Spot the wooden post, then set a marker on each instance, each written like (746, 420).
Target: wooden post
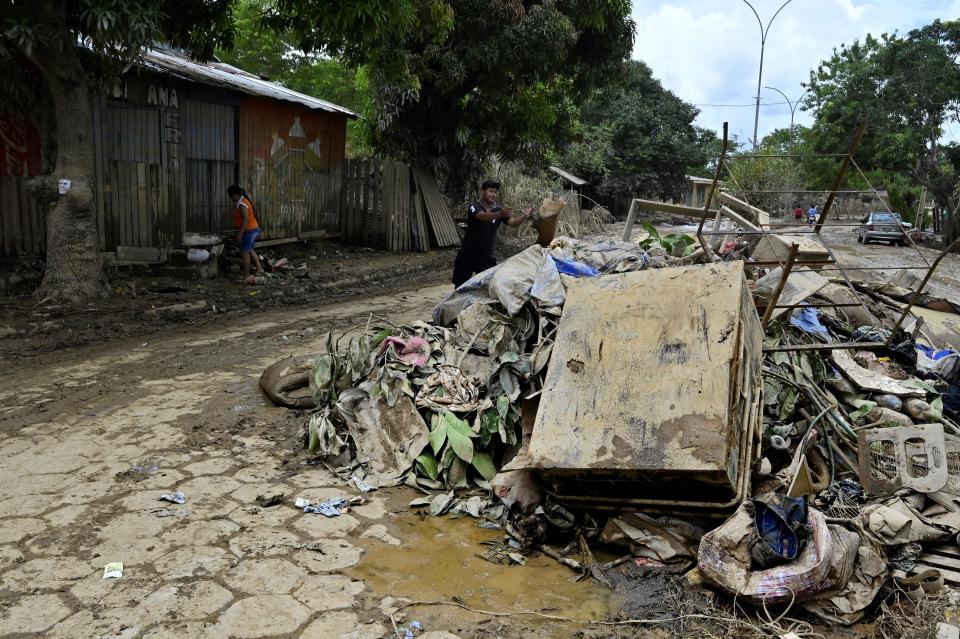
(772, 304)
(631, 216)
(837, 181)
(707, 252)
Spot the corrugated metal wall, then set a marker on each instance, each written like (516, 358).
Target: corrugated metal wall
(290, 164)
(131, 177)
(22, 227)
(210, 149)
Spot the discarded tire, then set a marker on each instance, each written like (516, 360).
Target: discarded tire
(287, 382)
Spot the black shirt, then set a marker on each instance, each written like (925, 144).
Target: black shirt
(481, 236)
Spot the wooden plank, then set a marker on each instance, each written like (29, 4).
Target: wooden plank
(727, 212)
(666, 207)
(945, 550)
(138, 254)
(424, 235)
(99, 104)
(143, 212)
(762, 217)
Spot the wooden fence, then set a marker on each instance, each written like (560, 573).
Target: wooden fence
(386, 205)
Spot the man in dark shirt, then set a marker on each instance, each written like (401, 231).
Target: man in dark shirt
(484, 217)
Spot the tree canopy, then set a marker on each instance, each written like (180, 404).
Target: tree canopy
(456, 82)
(907, 88)
(636, 138)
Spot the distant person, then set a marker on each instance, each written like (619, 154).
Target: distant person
(812, 216)
(245, 221)
(484, 218)
(798, 213)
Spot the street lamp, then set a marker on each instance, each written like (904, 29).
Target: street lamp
(763, 41)
(793, 105)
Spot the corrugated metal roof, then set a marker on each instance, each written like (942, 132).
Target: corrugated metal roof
(569, 177)
(223, 75)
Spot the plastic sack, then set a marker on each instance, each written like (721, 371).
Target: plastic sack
(724, 560)
(526, 275)
(572, 267)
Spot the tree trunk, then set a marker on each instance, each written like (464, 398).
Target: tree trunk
(73, 270)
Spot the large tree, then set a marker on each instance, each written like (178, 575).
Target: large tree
(456, 82)
(76, 45)
(907, 89)
(636, 138)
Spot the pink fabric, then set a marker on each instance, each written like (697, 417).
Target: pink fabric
(415, 351)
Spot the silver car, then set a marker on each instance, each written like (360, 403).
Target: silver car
(882, 225)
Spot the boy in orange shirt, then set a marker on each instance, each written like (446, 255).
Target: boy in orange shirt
(245, 221)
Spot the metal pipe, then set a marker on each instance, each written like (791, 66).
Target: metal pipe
(713, 190)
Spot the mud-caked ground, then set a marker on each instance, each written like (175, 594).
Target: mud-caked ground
(92, 435)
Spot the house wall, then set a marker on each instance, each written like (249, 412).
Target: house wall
(291, 165)
(22, 228)
(166, 151)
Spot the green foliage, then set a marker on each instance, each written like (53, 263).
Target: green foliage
(906, 88)
(675, 244)
(116, 32)
(636, 138)
(457, 82)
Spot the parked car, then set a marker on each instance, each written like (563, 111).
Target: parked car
(882, 225)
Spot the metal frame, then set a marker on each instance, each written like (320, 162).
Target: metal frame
(791, 261)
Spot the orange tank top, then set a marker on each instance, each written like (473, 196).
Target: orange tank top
(238, 215)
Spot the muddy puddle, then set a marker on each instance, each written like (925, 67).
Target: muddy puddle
(437, 560)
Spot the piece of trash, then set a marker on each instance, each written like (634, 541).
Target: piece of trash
(489, 525)
(416, 626)
(113, 570)
(266, 501)
(361, 485)
(419, 502)
(333, 507)
(301, 503)
(145, 469)
(176, 498)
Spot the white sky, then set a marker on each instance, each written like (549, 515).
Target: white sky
(708, 51)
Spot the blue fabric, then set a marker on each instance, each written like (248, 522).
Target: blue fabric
(572, 267)
(249, 239)
(806, 319)
(776, 521)
(932, 354)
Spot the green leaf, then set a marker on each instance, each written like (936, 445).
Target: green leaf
(862, 410)
(438, 436)
(936, 407)
(461, 444)
(454, 423)
(428, 466)
(484, 465)
(651, 229)
(921, 385)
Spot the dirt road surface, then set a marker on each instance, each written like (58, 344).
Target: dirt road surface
(90, 438)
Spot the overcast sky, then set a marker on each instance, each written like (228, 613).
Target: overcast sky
(708, 51)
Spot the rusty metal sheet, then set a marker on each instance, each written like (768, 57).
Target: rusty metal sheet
(654, 378)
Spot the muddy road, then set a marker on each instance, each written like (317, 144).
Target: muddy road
(91, 437)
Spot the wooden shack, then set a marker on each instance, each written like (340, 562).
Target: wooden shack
(171, 135)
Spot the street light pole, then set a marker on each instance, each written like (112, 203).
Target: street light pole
(763, 41)
(793, 105)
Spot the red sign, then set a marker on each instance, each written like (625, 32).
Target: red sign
(20, 149)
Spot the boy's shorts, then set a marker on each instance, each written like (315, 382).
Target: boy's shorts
(249, 239)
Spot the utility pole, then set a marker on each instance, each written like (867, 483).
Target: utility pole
(764, 31)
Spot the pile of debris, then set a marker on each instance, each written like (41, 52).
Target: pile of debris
(608, 392)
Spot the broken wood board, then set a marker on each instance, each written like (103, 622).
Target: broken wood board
(775, 247)
(760, 216)
(652, 388)
(801, 284)
(729, 213)
(869, 380)
(441, 223)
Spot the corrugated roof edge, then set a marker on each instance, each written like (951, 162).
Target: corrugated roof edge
(223, 75)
